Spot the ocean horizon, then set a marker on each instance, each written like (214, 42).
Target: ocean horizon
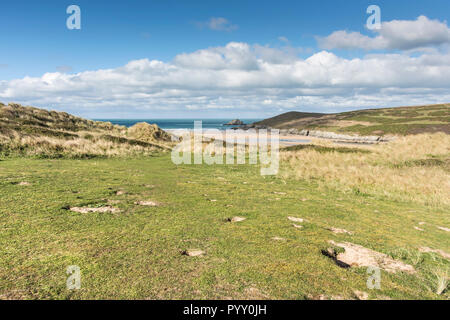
(174, 124)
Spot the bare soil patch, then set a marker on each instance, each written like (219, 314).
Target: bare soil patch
(359, 256)
(104, 209)
(147, 203)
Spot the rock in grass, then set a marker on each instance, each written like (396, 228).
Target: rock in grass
(418, 229)
(297, 226)
(338, 230)
(104, 209)
(278, 239)
(361, 295)
(236, 219)
(444, 229)
(193, 252)
(294, 219)
(147, 203)
(24, 183)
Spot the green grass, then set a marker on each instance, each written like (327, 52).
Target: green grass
(137, 253)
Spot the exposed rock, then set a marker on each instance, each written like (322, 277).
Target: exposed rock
(361, 295)
(104, 209)
(24, 183)
(278, 239)
(193, 252)
(418, 229)
(236, 219)
(120, 192)
(297, 226)
(235, 122)
(444, 229)
(356, 255)
(338, 230)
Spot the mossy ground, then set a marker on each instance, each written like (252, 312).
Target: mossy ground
(136, 254)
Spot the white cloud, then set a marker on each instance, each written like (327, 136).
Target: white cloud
(395, 34)
(241, 79)
(218, 24)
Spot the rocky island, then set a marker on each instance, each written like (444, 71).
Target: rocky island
(235, 122)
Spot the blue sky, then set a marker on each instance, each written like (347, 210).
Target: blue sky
(35, 41)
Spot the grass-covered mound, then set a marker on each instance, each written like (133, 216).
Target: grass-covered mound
(380, 122)
(29, 131)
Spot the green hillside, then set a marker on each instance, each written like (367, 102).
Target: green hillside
(397, 121)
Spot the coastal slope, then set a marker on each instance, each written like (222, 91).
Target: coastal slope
(377, 122)
(29, 131)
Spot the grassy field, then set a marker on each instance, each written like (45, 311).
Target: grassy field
(387, 121)
(137, 252)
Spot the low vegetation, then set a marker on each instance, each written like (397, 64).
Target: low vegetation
(146, 228)
(412, 168)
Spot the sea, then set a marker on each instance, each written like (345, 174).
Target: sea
(177, 124)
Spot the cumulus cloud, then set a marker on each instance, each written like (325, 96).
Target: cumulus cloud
(241, 78)
(393, 35)
(218, 24)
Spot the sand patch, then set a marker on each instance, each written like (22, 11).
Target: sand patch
(438, 251)
(105, 209)
(358, 256)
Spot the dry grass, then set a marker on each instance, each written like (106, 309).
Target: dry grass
(51, 147)
(411, 168)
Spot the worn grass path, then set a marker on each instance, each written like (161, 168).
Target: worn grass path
(136, 254)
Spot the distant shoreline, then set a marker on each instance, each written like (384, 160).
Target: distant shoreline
(179, 124)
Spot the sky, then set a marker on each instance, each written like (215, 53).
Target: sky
(222, 59)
